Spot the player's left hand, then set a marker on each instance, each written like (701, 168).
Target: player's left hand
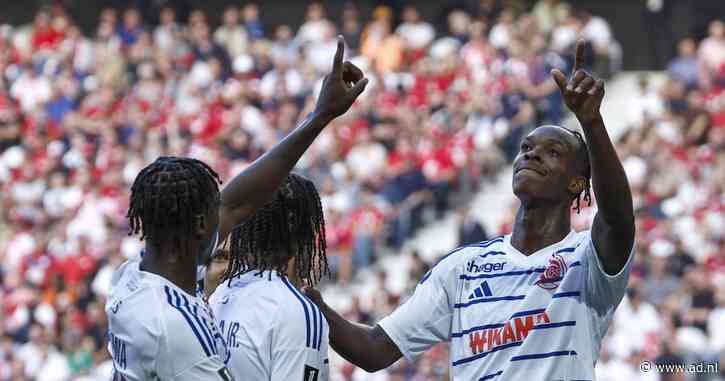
(582, 92)
(341, 86)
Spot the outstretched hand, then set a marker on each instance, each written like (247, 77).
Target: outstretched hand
(341, 86)
(582, 92)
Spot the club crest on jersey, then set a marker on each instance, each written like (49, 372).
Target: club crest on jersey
(553, 274)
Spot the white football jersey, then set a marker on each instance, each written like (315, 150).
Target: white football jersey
(509, 316)
(273, 331)
(157, 331)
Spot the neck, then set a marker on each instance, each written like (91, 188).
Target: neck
(540, 226)
(292, 274)
(177, 267)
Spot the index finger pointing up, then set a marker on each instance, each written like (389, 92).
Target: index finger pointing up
(337, 63)
(579, 56)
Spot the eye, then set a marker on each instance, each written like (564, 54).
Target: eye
(525, 147)
(554, 153)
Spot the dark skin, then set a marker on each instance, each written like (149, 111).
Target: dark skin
(548, 174)
(176, 259)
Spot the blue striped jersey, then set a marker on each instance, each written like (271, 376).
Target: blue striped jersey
(157, 331)
(273, 331)
(509, 316)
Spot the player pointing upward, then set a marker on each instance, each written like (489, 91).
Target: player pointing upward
(158, 328)
(534, 304)
(273, 331)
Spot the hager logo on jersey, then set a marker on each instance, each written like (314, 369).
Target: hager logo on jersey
(487, 267)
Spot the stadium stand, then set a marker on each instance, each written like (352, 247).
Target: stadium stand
(81, 114)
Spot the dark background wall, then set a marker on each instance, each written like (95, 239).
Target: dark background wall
(647, 39)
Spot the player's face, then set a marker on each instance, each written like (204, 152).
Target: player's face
(545, 165)
(217, 267)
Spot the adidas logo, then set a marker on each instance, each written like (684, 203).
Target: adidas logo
(482, 290)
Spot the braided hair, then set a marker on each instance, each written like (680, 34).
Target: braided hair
(583, 153)
(290, 226)
(168, 194)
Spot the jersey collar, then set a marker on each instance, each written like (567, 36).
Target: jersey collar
(543, 252)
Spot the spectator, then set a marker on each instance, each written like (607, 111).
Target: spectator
(416, 34)
(168, 31)
(502, 32)
(231, 35)
(469, 229)
(684, 67)
(660, 284)
(131, 29)
(351, 27)
(284, 47)
(379, 44)
(550, 13)
(712, 49)
(250, 15)
(316, 27)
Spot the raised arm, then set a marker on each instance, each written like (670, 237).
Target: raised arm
(367, 347)
(254, 186)
(613, 228)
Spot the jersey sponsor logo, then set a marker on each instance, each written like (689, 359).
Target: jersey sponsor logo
(513, 331)
(488, 267)
(553, 274)
(311, 373)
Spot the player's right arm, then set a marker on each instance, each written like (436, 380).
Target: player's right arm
(421, 322)
(253, 187)
(368, 347)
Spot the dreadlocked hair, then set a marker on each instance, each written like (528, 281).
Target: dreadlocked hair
(168, 194)
(290, 226)
(583, 152)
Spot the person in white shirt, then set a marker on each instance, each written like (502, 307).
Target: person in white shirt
(273, 331)
(534, 304)
(416, 33)
(158, 328)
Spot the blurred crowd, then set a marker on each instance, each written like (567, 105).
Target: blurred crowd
(82, 113)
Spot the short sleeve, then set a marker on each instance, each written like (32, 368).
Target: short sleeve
(133, 340)
(300, 345)
(425, 319)
(604, 291)
(189, 348)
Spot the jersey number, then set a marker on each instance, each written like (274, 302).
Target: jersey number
(311, 373)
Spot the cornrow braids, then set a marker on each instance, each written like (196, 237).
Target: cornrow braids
(167, 195)
(583, 152)
(292, 225)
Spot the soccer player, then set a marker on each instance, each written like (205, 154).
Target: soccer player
(273, 331)
(535, 304)
(158, 328)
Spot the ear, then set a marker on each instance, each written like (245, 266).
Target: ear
(577, 185)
